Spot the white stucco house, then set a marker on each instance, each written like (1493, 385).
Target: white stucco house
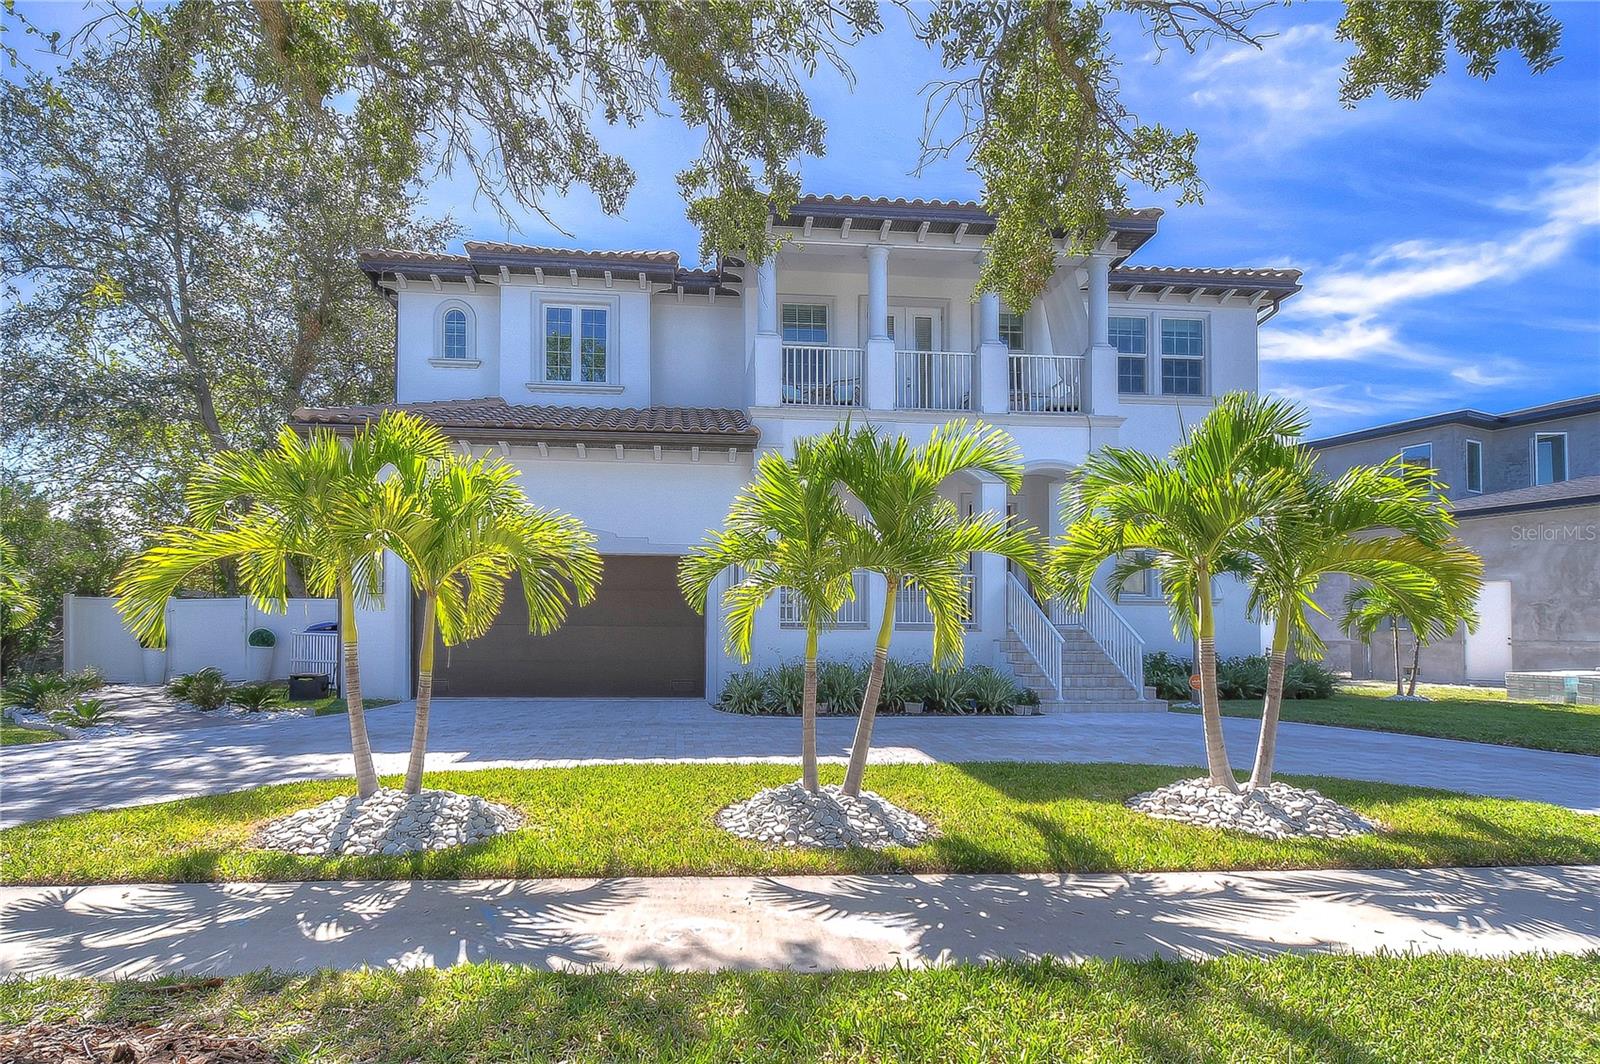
(636, 394)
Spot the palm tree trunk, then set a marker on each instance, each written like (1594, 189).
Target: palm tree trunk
(1394, 627)
(808, 712)
(360, 745)
(1220, 771)
(1416, 663)
(1267, 744)
(419, 727)
(869, 699)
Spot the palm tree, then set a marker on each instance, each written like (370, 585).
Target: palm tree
(463, 527)
(1430, 617)
(913, 535)
(787, 530)
(1184, 516)
(1335, 529)
(315, 501)
(18, 605)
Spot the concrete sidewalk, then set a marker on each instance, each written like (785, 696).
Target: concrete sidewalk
(804, 923)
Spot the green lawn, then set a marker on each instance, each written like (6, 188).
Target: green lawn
(1480, 715)
(1324, 1008)
(335, 704)
(657, 820)
(16, 735)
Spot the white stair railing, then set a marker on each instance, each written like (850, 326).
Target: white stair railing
(1033, 629)
(1110, 630)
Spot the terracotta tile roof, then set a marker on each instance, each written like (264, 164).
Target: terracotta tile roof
(492, 416)
(1191, 277)
(1576, 492)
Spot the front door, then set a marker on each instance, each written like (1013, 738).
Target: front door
(917, 328)
(1489, 648)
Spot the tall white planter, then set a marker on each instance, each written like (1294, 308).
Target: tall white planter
(155, 664)
(261, 663)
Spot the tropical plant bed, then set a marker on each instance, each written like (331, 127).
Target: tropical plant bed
(1448, 714)
(607, 820)
(908, 687)
(1433, 1008)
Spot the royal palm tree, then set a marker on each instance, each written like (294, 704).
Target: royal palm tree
(1184, 516)
(786, 531)
(316, 502)
(1388, 532)
(463, 527)
(913, 535)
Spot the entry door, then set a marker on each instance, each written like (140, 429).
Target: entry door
(917, 328)
(1489, 648)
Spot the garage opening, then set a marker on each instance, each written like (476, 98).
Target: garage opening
(638, 639)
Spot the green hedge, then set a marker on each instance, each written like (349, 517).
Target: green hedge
(842, 684)
(1241, 677)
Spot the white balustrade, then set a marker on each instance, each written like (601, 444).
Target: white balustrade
(1046, 384)
(852, 614)
(1033, 628)
(911, 605)
(936, 380)
(822, 376)
(1101, 619)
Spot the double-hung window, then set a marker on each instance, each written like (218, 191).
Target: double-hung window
(805, 323)
(1183, 356)
(1131, 337)
(1416, 460)
(1475, 467)
(1012, 333)
(577, 344)
(1549, 457)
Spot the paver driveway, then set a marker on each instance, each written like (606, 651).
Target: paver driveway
(51, 779)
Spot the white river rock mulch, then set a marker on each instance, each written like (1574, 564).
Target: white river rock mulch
(27, 718)
(1408, 698)
(388, 822)
(790, 815)
(1276, 811)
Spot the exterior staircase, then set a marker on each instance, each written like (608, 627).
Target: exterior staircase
(1091, 681)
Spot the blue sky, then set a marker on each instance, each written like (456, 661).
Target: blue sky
(1451, 245)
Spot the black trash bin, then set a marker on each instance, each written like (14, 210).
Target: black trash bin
(304, 686)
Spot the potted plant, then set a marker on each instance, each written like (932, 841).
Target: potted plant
(154, 661)
(262, 640)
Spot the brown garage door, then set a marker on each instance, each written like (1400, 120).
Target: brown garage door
(637, 639)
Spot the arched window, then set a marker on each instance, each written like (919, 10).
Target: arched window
(455, 333)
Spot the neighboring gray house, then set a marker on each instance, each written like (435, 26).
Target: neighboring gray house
(1525, 488)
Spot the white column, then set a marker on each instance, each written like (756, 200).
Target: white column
(990, 609)
(767, 296)
(878, 292)
(1102, 356)
(989, 318)
(879, 347)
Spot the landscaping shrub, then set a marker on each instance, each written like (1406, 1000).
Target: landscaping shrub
(1242, 677)
(84, 713)
(1169, 675)
(256, 697)
(1309, 679)
(903, 683)
(744, 692)
(85, 680)
(947, 690)
(206, 689)
(263, 637)
(786, 688)
(840, 686)
(53, 700)
(993, 691)
(29, 689)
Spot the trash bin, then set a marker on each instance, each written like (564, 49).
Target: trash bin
(304, 686)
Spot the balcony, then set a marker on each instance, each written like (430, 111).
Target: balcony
(823, 376)
(1046, 384)
(936, 380)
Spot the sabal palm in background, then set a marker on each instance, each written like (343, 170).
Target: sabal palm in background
(787, 530)
(463, 527)
(317, 502)
(912, 534)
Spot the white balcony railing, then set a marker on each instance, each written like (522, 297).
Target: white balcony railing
(852, 614)
(822, 376)
(1046, 384)
(936, 380)
(911, 605)
(1110, 629)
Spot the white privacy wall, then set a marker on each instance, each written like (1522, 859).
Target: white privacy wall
(201, 633)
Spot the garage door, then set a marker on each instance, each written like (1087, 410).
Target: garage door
(638, 639)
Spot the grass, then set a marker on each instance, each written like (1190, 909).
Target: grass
(1480, 715)
(606, 820)
(332, 705)
(1301, 1008)
(16, 735)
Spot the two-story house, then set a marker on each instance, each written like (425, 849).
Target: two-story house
(636, 394)
(1525, 490)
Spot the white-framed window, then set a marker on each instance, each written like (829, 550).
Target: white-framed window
(1475, 467)
(1013, 331)
(455, 338)
(1130, 335)
(805, 323)
(1143, 584)
(576, 344)
(1416, 459)
(1183, 356)
(1549, 457)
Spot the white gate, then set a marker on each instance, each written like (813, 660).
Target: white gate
(1489, 648)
